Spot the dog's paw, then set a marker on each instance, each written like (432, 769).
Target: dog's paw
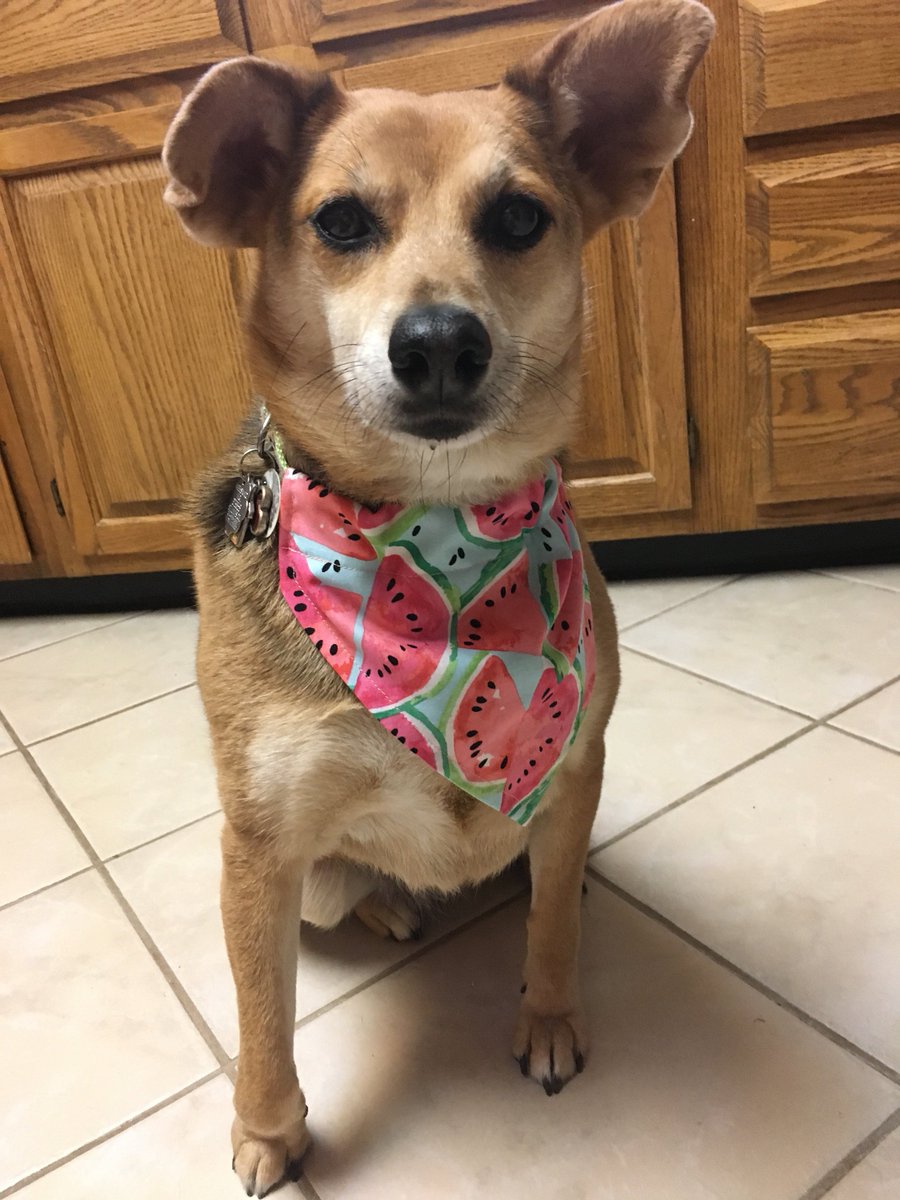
(263, 1164)
(389, 917)
(549, 1049)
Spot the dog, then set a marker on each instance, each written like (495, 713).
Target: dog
(415, 337)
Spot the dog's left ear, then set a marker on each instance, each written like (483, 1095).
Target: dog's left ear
(614, 86)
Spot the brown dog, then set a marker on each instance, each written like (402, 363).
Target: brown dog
(364, 206)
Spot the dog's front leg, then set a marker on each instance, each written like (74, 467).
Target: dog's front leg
(261, 914)
(550, 1039)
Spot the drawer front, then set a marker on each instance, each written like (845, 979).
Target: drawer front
(827, 414)
(824, 220)
(76, 43)
(816, 62)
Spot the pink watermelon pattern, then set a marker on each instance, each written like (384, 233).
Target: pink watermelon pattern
(466, 632)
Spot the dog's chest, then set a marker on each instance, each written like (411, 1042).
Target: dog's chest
(340, 784)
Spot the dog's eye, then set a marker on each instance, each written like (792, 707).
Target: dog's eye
(514, 222)
(344, 224)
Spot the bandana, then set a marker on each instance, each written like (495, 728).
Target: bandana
(466, 632)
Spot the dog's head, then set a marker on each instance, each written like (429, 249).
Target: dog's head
(416, 323)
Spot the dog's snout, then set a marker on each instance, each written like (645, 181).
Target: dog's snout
(439, 352)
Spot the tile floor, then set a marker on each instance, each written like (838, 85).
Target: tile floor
(741, 953)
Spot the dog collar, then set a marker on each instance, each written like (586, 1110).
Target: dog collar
(465, 631)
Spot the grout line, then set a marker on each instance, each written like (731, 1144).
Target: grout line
(159, 836)
(703, 787)
(105, 1137)
(716, 587)
(441, 940)
(71, 636)
(812, 724)
(860, 699)
(861, 737)
(182, 687)
(46, 887)
(859, 1152)
(806, 1018)
(882, 587)
(199, 1022)
(795, 712)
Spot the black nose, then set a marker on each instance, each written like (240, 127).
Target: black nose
(439, 353)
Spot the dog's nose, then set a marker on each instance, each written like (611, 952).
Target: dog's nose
(439, 352)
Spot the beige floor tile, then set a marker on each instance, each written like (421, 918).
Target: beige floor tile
(877, 718)
(90, 1032)
(135, 775)
(807, 641)
(887, 576)
(692, 1082)
(671, 733)
(181, 1152)
(876, 1178)
(637, 599)
(7, 745)
(56, 687)
(173, 885)
(789, 869)
(36, 845)
(18, 634)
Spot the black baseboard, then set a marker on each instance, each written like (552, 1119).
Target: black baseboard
(802, 548)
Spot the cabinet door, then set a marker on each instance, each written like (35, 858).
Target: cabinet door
(14, 548)
(53, 47)
(146, 374)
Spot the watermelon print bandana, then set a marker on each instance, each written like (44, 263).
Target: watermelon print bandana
(466, 632)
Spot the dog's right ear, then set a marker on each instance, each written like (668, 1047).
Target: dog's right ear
(234, 146)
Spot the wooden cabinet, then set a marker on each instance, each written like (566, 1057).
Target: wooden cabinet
(742, 358)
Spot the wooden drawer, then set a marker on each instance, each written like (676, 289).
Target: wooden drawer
(816, 62)
(824, 219)
(827, 412)
(70, 43)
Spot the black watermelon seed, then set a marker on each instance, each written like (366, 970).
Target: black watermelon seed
(476, 745)
(491, 684)
(452, 561)
(476, 623)
(395, 662)
(474, 637)
(471, 732)
(403, 740)
(564, 624)
(489, 512)
(504, 761)
(461, 553)
(380, 673)
(352, 537)
(476, 708)
(310, 629)
(535, 507)
(545, 693)
(416, 529)
(532, 762)
(503, 593)
(489, 604)
(319, 643)
(545, 531)
(416, 629)
(483, 763)
(332, 649)
(291, 573)
(512, 588)
(299, 592)
(525, 772)
(299, 608)
(368, 672)
(337, 566)
(481, 699)
(391, 583)
(412, 616)
(326, 567)
(395, 731)
(415, 749)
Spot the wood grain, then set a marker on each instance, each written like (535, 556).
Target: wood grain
(144, 327)
(827, 422)
(824, 219)
(814, 62)
(14, 546)
(71, 43)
